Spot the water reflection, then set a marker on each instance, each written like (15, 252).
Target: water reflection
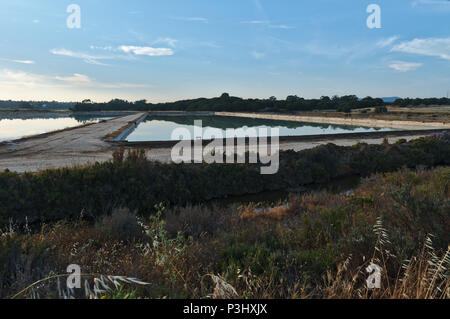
(16, 126)
(160, 128)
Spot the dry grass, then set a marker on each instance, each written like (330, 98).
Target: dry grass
(252, 211)
(317, 247)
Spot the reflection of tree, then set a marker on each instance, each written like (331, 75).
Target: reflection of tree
(223, 122)
(82, 118)
(31, 116)
(89, 117)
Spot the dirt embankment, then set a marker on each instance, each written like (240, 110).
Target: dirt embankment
(69, 147)
(367, 122)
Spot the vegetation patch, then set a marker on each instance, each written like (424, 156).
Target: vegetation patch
(227, 103)
(129, 180)
(320, 248)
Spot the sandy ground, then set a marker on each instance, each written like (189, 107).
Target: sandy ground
(85, 145)
(68, 148)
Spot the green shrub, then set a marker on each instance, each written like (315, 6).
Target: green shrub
(139, 185)
(381, 109)
(120, 225)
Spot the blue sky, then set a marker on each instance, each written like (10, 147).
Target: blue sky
(172, 49)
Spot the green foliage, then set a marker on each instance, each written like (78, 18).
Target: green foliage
(133, 182)
(407, 102)
(381, 109)
(121, 293)
(318, 248)
(233, 104)
(121, 225)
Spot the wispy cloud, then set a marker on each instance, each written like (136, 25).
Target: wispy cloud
(24, 61)
(169, 41)
(115, 53)
(387, 41)
(149, 51)
(280, 26)
(76, 79)
(17, 79)
(193, 19)
(256, 22)
(12, 78)
(404, 66)
(268, 24)
(91, 59)
(19, 61)
(437, 47)
(85, 81)
(103, 48)
(258, 55)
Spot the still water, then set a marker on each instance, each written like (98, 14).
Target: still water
(160, 128)
(16, 126)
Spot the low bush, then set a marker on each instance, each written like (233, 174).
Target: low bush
(319, 247)
(133, 182)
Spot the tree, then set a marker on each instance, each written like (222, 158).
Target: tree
(26, 105)
(344, 108)
(292, 99)
(381, 109)
(141, 102)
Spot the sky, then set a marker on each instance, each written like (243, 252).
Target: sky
(166, 50)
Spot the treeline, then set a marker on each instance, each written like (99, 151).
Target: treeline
(227, 103)
(31, 105)
(139, 184)
(421, 102)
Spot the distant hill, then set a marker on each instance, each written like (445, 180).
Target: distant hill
(390, 99)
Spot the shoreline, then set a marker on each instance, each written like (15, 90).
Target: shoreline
(369, 122)
(290, 139)
(35, 162)
(88, 144)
